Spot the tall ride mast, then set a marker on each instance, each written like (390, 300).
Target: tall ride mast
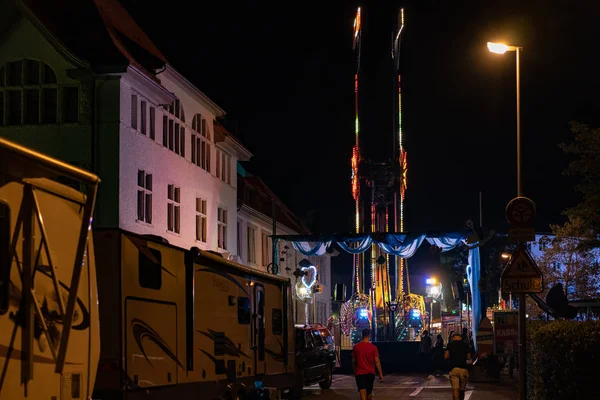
(357, 275)
(401, 154)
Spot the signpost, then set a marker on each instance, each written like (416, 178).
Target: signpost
(505, 332)
(520, 213)
(521, 275)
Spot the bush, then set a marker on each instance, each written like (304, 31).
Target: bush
(563, 360)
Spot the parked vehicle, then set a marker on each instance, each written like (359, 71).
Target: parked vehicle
(315, 357)
(187, 324)
(49, 331)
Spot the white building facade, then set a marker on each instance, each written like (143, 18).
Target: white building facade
(168, 168)
(254, 230)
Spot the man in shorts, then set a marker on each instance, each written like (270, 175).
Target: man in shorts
(459, 354)
(365, 357)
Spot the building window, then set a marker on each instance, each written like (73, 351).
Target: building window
(201, 220)
(144, 197)
(173, 208)
(29, 95)
(266, 249)
(224, 167)
(251, 244)
(165, 131)
(239, 239)
(143, 117)
(173, 128)
(152, 123)
(222, 228)
(200, 143)
(134, 114)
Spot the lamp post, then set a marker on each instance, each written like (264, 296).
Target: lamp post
(500, 48)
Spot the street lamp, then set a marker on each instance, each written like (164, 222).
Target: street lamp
(500, 48)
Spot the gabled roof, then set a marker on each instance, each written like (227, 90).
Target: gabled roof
(262, 203)
(223, 135)
(99, 32)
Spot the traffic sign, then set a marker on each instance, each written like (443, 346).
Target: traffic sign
(522, 275)
(520, 212)
(517, 234)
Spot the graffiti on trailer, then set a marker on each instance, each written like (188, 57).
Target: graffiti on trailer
(46, 296)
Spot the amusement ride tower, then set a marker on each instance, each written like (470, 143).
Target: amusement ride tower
(379, 189)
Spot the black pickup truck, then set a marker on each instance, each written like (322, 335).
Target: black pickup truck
(315, 357)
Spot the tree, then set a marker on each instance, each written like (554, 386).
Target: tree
(566, 261)
(585, 147)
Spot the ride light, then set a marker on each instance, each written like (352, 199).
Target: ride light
(363, 313)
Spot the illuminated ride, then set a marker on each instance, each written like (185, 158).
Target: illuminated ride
(381, 295)
(379, 190)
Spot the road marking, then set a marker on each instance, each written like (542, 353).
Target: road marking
(468, 394)
(416, 392)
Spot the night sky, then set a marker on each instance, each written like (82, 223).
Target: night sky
(284, 70)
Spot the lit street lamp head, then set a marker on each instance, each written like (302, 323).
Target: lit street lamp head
(500, 48)
(497, 48)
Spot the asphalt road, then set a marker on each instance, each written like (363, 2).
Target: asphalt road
(397, 386)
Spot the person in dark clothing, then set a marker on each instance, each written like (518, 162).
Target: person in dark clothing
(426, 356)
(438, 355)
(459, 355)
(450, 336)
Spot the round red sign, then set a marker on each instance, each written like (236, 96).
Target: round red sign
(520, 211)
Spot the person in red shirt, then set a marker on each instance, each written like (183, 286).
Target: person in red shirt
(365, 357)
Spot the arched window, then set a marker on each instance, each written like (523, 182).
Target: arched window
(29, 95)
(201, 142)
(174, 129)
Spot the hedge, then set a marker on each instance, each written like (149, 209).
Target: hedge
(563, 360)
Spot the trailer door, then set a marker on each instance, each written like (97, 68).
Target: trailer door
(151, 346)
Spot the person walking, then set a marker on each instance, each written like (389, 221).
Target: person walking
(438, 355)
(425, 349)
(459, 355)
(365, 358)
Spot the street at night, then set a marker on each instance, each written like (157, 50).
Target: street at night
(413, 386)
(244, 199)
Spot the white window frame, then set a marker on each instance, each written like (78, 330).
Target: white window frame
(173, 208)
(201, 220)
(222, 228)
(223, 170)
(152, 124)
(240, 226)
(174, 128)
(251, 243)
(143, 117)
(134, 111)
(144, 196)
